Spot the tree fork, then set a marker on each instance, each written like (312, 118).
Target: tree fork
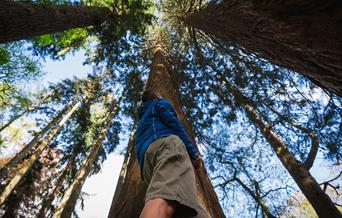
(130, 199)
(293, 41)
(24, 20)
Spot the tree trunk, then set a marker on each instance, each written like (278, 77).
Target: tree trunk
(27, 163)
(23, 20)
(303, 36)
(321, 202)
(124, 167)
(68, 202)
(130, 199)
(28, 110)
(257, 198)
(4, 172)
(13, 119)
(46, 204)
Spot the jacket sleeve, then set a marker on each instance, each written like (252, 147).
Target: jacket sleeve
(168, 116)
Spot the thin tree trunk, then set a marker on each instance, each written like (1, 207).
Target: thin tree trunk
(4, 172)
(23, 20)
(259, 201)
(130, 199)
(304, 36)
(68, 202)
(13, 119)
(28, 110)
(309, 161)
(27, 163)
(321, 202)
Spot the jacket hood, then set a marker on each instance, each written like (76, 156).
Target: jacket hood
(144, 107)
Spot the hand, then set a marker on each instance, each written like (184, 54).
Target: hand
(198, 162)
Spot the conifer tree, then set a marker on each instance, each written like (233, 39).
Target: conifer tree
(286, 34)
(133, 187)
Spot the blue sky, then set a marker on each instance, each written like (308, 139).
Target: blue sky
(71, 66)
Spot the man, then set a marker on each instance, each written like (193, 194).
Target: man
(164, 151)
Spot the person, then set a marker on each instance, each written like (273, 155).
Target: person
(165, 155)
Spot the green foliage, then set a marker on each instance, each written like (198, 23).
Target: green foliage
(59, 44)
(203, 68)
(134, 17)
(6, 94)
(4, 56)
(18, 66)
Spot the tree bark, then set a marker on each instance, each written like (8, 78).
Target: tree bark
(68, 202)
(130, 198)
(321, 202)
(27, 163)
(303, 36)
(257, 198)
(4, 171)
(124, 167)
(23, 20)
(46, 204)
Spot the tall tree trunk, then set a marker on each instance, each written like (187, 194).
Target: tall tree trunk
(304, 36)
(68, 202)
(23, 20)
(27, 163)
(28, 147)
(321, 202)
(130, 199)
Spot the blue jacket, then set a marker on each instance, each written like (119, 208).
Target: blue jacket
(159, 119)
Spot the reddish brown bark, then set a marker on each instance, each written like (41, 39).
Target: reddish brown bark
(303, 36)
(23, 20)
(130, 199)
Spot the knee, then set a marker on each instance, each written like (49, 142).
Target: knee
(164, 206)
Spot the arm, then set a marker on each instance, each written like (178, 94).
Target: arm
(168, 116)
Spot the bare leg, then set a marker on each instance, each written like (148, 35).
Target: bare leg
(158, 208)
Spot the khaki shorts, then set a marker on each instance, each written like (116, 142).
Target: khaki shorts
(169, 174)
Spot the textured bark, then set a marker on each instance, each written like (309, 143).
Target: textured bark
(321, 202)
(23, 20)
(130, 199)
(303, 36)
(67, 204)
(27, 163)
(4, 171)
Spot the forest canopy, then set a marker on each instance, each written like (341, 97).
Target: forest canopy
(257, 90)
